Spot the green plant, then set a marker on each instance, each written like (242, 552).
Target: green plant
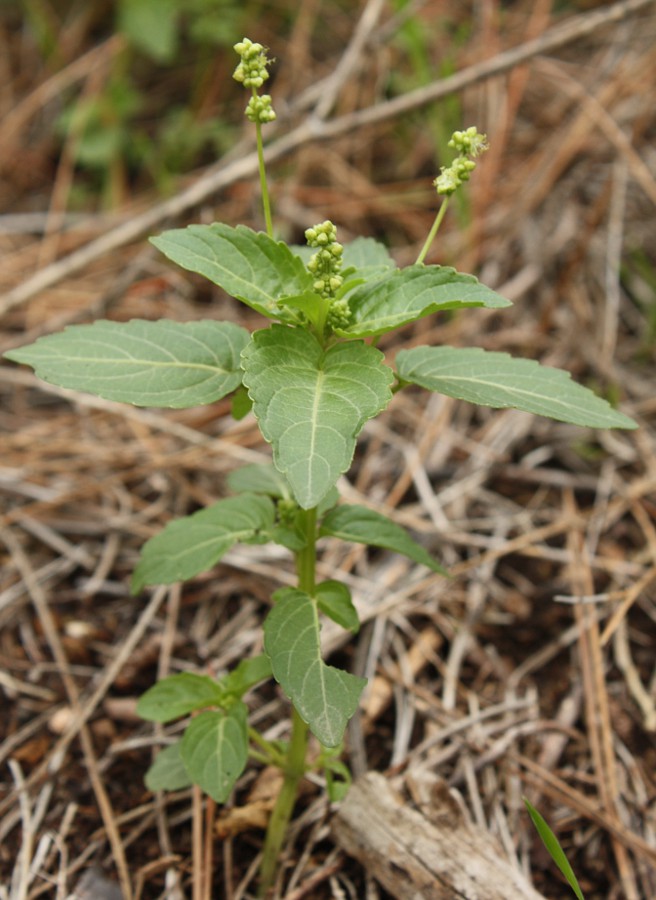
(554, 849)
(314, 377)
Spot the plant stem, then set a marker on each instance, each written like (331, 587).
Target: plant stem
(266, 203)
(431, 234)
(294, 765)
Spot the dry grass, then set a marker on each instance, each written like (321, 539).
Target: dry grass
(531, 671)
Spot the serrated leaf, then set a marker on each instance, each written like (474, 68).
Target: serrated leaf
(312, 403)
(168, 772)
(170, 364)
(214, 749)
(325, 697)
(407, 294)
(499, 380)
(178, 695)
(334, 600)
(365, 526)
(195, 543)
(248, 265)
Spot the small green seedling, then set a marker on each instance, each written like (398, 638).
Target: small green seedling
(313, 377)
(554, 849)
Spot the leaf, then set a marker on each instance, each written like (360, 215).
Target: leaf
(334, 600)
(246, 675)
(325, 697)
(260, 478)
(312, 403)
(248, 265)
(368, 257)
(364, 526)
(499, 380)
(160, 363)
(241, 404)
(556, 852)
(407, 294)
(338, 780)
(168, 772)
(214, 749)
(178, 695)
(195, 543)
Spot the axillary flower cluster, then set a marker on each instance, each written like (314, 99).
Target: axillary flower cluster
(325, 266)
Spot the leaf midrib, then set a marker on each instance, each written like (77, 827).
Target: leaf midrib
(176, 364)
(495, 384)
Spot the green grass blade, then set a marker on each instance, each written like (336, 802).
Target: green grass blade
(556, 852)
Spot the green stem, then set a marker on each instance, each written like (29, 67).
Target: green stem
(266, 203)
(294, 766)
(434, 229)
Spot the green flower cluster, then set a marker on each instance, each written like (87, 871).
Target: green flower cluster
(259, 109)
(252, 71)
(326, 263)
(468, 143)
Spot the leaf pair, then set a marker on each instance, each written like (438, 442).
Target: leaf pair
(213, 751)
(193, 544)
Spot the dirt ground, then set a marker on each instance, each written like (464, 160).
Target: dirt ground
(532, 671)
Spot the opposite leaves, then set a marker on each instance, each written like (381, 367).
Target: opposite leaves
(324, 696)
(162, 363)
(500, 380)
(311, 403)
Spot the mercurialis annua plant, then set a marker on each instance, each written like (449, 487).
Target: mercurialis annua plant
(313, 376)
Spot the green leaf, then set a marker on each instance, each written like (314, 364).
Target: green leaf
(241, 404)
(260, 478)
(246, 675)
(368, 257)
(338, 780)
(195, 543)
(325, 697)
(556, 852)
(248, 265)
(312, 403)
(334, 599)
(160, 363)
(364, 526)
(214, 749)
(407, 294)
(168, 772)
(178, 695)
(288, 536)
(499, 380)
